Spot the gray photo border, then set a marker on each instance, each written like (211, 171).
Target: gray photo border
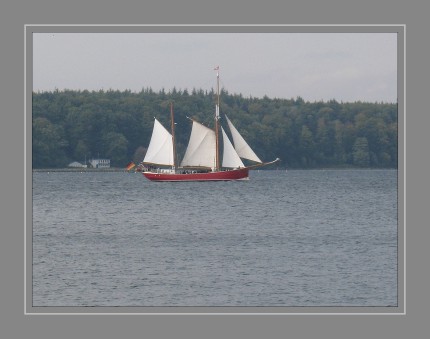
(401, 250)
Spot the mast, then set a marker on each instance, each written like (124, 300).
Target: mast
(216, 122)
(173, 135)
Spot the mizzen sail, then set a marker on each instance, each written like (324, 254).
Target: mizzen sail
(160, 149)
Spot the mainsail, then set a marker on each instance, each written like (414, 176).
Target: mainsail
(160, 149)
(230, 158)
(240, 145)
(201, 148)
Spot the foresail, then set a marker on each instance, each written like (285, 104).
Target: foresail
(160, 149)
(230, 158)
(201, 148)
(240, 145)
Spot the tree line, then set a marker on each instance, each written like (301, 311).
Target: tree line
(77, 125)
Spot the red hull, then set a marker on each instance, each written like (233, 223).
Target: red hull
(211, 176)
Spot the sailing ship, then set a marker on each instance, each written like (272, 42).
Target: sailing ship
(201, 161)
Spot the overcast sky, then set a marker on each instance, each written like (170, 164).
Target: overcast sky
(315, 66)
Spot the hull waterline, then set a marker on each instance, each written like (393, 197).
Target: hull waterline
(239, 174)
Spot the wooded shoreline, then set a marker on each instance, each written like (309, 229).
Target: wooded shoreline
(70, 126)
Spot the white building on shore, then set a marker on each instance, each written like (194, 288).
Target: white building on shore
(100, 163)
(76, 165)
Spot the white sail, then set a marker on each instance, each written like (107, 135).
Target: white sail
(241, 146)
(201, 148)
(160, 149)
(230, 158)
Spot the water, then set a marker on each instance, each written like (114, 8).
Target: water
(302, 238)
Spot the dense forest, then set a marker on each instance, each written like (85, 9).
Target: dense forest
(77, 125)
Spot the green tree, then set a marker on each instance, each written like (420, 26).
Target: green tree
(339, 148)
(48, 144)
(139, 154)
(115, 148)
(81, 151)
(306, 146)
(361, 155)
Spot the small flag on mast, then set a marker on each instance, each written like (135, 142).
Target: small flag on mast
(216, 68)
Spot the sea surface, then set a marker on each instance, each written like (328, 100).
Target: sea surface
(296, 238)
